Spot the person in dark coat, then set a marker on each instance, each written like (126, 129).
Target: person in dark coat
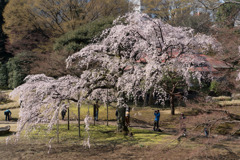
(96, 107)
(64, 111)
(7, 114)
(206, 132)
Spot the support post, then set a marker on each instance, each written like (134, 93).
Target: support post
(78, 105)
(58, 128)
(68, 115)
(58, 120)
(94, 114)
(107, 107)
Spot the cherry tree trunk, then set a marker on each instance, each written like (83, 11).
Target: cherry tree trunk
(145, 100)
(121, 120)
(151, 101)
(172, 105)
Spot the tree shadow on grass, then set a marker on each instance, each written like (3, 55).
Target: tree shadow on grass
(7, 134)
(14, 119)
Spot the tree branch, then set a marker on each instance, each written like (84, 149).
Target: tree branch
(214, 8)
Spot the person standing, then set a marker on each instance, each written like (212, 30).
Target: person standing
(64, 111)
(7, 114)
(206, 132)
(156, 120)
(182, 122)
(96, 110)
(127, 116)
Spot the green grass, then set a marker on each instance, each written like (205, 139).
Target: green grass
(15, 114)
(13, 103)
(10, 105)
(236, 96)
(222, 98)
(140, 113)
(229, 103)
(145, 114)
(13, 129)
(85, 108)
(100, 134)
(233, 109)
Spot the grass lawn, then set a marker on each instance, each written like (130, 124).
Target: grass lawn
(145, 114)
(107, 144)
(100, 134)
(15, 114)
(13, 103)
(233, 109)
(141, 113)
(13, 129)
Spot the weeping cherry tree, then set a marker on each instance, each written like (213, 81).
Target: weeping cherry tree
(128, 60)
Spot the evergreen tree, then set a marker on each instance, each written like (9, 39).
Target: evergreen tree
(3, 76)
(3, 38)
(227, 14)
(19, 67)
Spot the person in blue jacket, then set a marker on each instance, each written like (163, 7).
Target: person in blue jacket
(156, 120)
(7, 113)
(206, 132)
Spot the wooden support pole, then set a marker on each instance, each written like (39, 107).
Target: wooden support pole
(68, 114)
(94, 114)
(68, 119)
(58, 128)
(58, 105)
(107, 107)
(78, 105)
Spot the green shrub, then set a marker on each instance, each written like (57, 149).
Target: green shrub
(18, 68)
(214, 86)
